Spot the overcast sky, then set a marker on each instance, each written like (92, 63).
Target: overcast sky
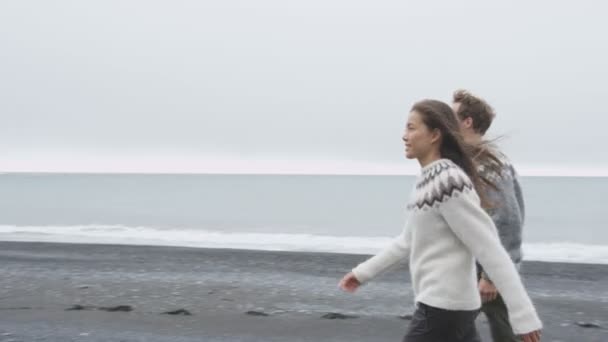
(293, 86)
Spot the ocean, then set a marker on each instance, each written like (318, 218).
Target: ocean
(565, 218)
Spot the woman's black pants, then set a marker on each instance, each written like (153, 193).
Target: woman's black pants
(430, 324)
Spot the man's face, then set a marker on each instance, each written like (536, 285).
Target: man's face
(466, 124)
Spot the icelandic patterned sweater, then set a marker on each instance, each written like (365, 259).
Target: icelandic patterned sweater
(507, 205)
(446, 232)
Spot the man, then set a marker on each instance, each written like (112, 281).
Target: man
(505, 196)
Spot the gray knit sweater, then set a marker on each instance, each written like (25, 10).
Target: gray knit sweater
(507, 205)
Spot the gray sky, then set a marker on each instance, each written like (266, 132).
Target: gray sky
(292, 86)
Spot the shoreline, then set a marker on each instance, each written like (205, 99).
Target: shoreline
(219, 243)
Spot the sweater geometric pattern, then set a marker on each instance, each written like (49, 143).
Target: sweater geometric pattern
(437, 184)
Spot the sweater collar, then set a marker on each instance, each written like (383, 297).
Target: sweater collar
(432, 165)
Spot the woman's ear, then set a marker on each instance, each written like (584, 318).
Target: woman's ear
(435, 136)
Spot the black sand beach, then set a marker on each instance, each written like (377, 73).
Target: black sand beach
(120, 293)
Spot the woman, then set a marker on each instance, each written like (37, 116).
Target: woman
(446, 231)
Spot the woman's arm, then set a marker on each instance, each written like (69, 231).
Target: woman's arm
(397, 250)
(474, 227)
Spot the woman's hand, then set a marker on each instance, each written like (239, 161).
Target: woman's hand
(531, 337)
(349, 283)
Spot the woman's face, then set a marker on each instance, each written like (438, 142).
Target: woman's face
(418, 138)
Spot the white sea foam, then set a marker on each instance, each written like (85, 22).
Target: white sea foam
(126, 235)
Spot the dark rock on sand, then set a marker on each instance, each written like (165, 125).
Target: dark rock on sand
(335, 315)
(182, 312)
(121, 308)
(79, 307)
(588, 325)
(257, 313)
(118, 308)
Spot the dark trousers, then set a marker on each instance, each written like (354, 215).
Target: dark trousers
(431, 324)
(498, 318)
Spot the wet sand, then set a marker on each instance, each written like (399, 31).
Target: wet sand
(120, 293)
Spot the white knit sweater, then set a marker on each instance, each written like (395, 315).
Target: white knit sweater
(445, 233)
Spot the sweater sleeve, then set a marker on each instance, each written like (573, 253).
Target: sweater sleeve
(507, 214)
(398, 250)
(474, 227)
(519, 195)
